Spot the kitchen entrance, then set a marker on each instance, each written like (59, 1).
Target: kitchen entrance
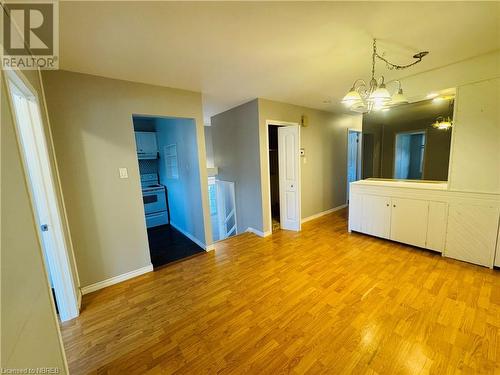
(167, 154)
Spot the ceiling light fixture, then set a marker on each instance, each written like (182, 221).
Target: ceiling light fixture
(443, 123)
(364, 97)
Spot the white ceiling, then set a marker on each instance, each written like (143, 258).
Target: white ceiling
(297, 52)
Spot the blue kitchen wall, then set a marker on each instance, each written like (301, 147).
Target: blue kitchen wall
(184, 193)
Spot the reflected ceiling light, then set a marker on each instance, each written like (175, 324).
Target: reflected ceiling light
(443, 123)
(432, 95)
(363, 97)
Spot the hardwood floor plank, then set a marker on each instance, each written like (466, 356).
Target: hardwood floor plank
(319, 301)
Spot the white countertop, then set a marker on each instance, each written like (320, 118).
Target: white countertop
(413, 184)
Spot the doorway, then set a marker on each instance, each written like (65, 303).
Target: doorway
(409, 155)
(354, 158)
(167, 154)
(34, 150)
(283, 141)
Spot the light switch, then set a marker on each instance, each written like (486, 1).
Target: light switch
(123, 172)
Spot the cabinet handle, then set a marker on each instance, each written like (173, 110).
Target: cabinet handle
(387, 204)
(394, 206)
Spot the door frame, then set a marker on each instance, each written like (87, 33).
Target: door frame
(410, 132)
(59, 260)
(359, 157)
(299, 195)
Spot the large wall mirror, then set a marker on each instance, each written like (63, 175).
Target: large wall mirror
(411, 141)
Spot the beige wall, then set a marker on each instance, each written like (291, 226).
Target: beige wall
(30, 335)
(91, 121)
(235, 137)
(324, 168)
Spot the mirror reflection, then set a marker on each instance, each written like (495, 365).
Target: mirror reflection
(411, 141)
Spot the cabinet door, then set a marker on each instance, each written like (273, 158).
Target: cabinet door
(376, 215)
(436, 226)
(148, 142)
(138, 143)
(409, 221)
(497, 258)
(472, 233)
(355, 209)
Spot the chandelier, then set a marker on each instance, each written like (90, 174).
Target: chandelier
(363, 98)
(443, 123)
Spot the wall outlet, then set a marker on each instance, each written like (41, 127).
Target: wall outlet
(123, 172)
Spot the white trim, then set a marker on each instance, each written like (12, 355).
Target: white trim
(116, 279)
(323, 213)
(193, 238)
(64, 213)
(359, 160)
(80, 295)
(258, 232)
(33, 138)
(278, 123)
(210, 247)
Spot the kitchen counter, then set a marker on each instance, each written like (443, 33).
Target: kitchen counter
(412, 184)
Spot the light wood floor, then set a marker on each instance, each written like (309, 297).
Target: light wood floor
(319, 301)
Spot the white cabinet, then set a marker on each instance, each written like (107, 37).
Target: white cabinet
(146, 145)
(472, 233)
(376, 215)
(355, 206)
(497, 258)
(436, 226)
(409, 219)
(460, 225)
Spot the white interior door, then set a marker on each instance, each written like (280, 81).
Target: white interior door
(353, 165)
(34, 148)
(289, 177)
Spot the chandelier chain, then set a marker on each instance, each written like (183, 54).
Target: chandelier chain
(392, 66)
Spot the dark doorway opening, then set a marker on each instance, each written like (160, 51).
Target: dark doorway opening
(274, 176)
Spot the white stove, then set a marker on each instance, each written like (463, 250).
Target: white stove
(155, 200)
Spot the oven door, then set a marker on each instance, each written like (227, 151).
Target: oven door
(154, 201)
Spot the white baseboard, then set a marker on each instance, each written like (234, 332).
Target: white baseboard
(193, 238)
(258, 232)
(315, 216)
(116, 279)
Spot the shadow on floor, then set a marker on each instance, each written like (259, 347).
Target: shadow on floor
(167, 244)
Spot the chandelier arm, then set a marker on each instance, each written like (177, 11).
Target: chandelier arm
(392, 66)
(361, 82)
